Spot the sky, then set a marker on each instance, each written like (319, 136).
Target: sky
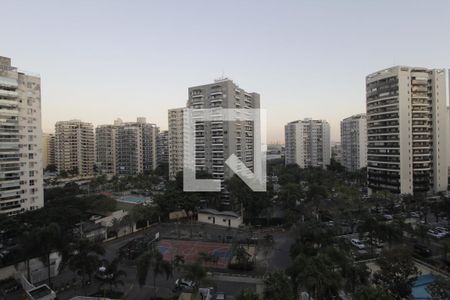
(101, 60)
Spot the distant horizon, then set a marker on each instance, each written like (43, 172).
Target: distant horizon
(306, 59)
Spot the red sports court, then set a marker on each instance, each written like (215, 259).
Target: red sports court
(191, 250)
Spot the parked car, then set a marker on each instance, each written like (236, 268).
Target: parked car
(442, 230)
(358, 244)
(388, 217)
(184, 284)
(415, 215)
(103, 273)
(436, 233)
(422, 250)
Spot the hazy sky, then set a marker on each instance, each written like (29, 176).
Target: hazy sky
(100, 60)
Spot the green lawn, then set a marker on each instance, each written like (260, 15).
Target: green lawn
(125, 206)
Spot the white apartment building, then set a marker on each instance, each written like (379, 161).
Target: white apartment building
(74, 144)
(105, 149)
(175, 141)
(21, 172)
(215, 141)
(129, 150)
(407, 128)
(126, 148)
(48, 150)
(308, 143)
(163, 147)
(354, 142)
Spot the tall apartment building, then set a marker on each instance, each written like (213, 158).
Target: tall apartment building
(217, 140)
(407, 128)
(127, 148)
(48, 150)
(74, 144)
(308, 143)
(336, 151)
(354, 142)
(105, 141)
(163, 147)
(175, 141)
(21, 179)
(149, 144)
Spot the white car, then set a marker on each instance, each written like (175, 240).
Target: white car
(415, 215)
(436, 233)
(442, 231)
(184, 284)
(358, 244)
(388, 217)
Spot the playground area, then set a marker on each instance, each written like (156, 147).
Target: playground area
(217, 254)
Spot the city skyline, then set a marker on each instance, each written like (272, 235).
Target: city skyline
(294, 55)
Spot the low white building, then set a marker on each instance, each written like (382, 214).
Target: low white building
(221, 218)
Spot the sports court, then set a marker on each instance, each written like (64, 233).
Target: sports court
(190, 250)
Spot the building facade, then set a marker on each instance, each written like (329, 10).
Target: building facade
(48, 150)
(163, 147)
(129, 150)
(215, 141)
(105, 142)
(308, 143)
(407, 129)
(336, 151)
(175, 141)
(21, 171)
(354, 142)
(74, 144)
(126, 148)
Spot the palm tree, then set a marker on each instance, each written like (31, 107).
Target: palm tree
(196, 273)
(85, 260)
(114, 274)
(46, 240)
(177, 262)
(115, 227)
(28, 243)
(371, 226)
(277, 287)
(127, 221)
(152, 259)
(267, 245)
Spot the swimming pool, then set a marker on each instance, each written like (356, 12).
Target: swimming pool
(135, 199)
(419, 290)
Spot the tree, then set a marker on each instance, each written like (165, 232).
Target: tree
(196, 273)
(51, 168)
(440, 288)
(368, 292)
(277, 287)
(316, 274)
(114, 274)
(46, 240)
(153, 260)
(177, 262)
(267, 244)
(85, 260)
(397, 273)
(247, 295)
(370, 226)
(242, 257)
